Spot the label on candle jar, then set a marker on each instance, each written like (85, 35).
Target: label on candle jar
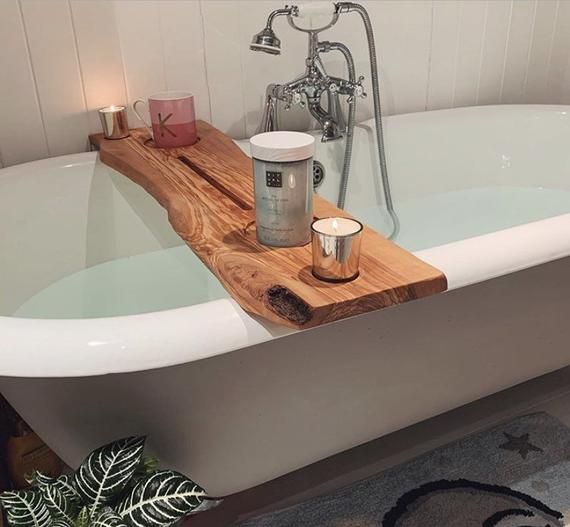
(283, 202)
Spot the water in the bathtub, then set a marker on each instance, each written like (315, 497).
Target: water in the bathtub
(92, 244)
(173, 277)
(153, 281)
(448, 217)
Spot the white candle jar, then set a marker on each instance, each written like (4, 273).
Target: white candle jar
(283, 180)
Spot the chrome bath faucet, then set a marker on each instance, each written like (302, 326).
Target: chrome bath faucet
(316, 84)
(308, 89)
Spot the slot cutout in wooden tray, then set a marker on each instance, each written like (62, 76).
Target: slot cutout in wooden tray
(207, 190)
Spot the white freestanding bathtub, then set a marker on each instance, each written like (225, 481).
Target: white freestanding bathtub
(111, 326)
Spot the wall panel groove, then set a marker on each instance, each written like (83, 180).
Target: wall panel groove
(223, 42)
(182, 41)
(22, 132)
(558, 89)
(426, 102)
(469, 52)
(444, 51)
(518, 51)
(52, 49)
(33, 73)
(138, 32)
(494, 52)
(204, 58)
(530, 47)
(99, 56)
(541, 51)
(484, 37)
(503, 72)
(76, 50)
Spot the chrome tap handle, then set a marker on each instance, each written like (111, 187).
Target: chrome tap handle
(356, 89)
(292, 96)
(359, 89)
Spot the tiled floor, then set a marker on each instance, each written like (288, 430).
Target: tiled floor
(550, 393)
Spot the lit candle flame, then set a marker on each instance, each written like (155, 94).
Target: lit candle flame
(112, 109)
(335, 225)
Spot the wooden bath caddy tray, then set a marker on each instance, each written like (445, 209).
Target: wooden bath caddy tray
(207, 190)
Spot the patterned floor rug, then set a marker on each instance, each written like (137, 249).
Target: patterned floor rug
(514, 475)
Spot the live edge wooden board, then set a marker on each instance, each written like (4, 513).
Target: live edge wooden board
(207, 190)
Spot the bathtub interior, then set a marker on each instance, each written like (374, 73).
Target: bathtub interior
(81, 241)
(457, 174)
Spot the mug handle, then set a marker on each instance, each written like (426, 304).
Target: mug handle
(141, 118)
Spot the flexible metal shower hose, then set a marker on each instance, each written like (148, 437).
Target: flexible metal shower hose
(346, 7)
(350, 126)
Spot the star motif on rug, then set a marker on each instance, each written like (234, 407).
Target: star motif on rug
(520, 444)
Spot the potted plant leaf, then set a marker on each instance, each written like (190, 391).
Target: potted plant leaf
(115, 486)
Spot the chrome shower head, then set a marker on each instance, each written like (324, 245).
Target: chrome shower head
(266, 41)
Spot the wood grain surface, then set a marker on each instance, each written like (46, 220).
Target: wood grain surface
(207, 190)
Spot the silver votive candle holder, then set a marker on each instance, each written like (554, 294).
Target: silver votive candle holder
(336, 246)
(114, 122)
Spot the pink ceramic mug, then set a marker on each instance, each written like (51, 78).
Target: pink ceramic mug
(172, 118)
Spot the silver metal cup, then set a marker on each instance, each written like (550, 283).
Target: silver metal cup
(114, 122)
(336, 256)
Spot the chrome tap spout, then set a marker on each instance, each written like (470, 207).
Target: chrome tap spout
(329, 125)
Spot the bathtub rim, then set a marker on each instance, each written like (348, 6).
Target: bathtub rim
(129, 343)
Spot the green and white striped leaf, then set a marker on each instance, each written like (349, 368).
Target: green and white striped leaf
(58, 504)
(108, 518)
(160, 499)
(25, 509)
(39, 479)
(64, 483)
(60, 522)
(83, 518)
(107, 470)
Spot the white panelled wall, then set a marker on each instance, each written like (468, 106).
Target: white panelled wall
(60, 60)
